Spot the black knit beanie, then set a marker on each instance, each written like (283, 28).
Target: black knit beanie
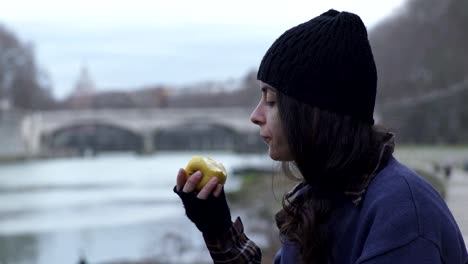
(326, 62)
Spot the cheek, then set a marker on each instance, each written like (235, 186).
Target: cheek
(281, 147)
(276, 125)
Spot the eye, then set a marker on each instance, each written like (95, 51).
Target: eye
(269, 98)
(270, 103)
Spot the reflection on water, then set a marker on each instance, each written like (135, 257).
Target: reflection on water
(18, 249)
(105, 208)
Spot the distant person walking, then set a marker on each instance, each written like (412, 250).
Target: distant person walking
(82, 261)
(447, 171)
(355, 203)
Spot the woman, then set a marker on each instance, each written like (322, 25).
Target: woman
(356, 203)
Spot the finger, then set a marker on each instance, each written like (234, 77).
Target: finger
(181, 179)
(192, 181)
(218, 190)
(209, 187)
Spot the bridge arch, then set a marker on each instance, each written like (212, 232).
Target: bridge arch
(196, 135)
(92, 137)
(39, 129)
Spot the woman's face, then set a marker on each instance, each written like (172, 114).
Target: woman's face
(266, 116)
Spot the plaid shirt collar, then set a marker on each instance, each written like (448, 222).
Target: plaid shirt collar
(357, 188)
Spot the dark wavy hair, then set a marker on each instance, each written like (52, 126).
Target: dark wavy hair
(329, 151)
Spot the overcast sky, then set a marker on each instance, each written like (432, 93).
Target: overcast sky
(129, 44)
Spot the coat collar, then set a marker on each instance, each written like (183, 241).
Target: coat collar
(357, 189)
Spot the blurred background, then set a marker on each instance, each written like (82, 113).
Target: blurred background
(101, 102)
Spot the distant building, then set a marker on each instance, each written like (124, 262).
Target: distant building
(84, 85)
(83, 92)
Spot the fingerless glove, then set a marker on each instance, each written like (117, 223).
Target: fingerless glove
(211, 216)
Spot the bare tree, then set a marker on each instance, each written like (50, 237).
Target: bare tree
(421, 57)
(21, 81)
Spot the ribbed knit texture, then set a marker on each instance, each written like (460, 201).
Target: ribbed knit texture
(326, 62)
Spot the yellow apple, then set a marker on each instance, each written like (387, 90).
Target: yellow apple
(208, 167)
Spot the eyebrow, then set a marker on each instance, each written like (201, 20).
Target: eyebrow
(266, 88)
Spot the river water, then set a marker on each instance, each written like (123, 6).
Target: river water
(110, 207)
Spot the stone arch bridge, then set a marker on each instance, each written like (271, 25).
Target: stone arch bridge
(141, 130)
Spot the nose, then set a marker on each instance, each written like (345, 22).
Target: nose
(258, 115)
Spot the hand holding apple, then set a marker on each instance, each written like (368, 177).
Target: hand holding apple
(209, 169)
(207, 208)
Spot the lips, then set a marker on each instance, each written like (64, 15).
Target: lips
(266, 139)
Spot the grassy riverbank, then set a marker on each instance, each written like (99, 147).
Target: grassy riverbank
(12, 159)
(257, 202)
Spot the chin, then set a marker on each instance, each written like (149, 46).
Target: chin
(273, 157)
(279, 156)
